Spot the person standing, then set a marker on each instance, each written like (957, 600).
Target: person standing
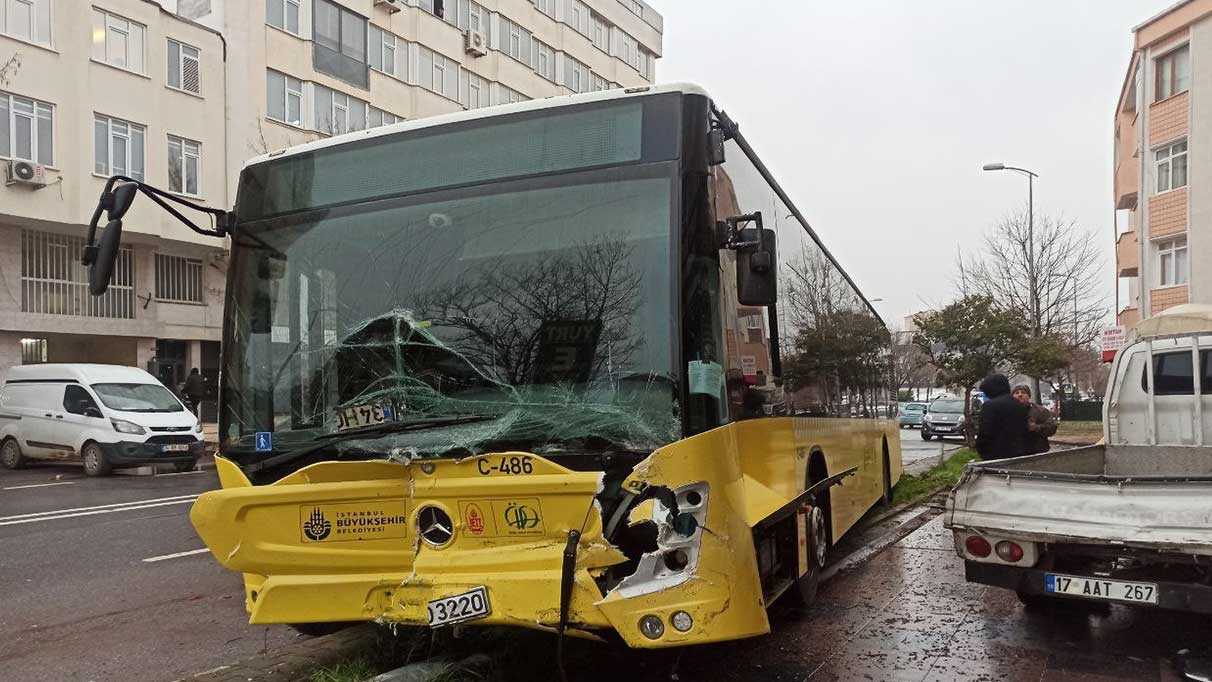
(1003, 421)
(194, 389)
(1040, 424)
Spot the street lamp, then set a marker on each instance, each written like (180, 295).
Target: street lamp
(1031, 275)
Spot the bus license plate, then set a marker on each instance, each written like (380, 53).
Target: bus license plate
(459, 608)
(1096, 588)
(174, 448)
(359, 416)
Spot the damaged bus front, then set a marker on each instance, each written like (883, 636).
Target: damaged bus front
(485, 368)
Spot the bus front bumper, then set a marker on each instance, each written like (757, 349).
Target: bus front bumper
(350, 541)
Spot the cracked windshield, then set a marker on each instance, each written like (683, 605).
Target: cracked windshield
(516, 314)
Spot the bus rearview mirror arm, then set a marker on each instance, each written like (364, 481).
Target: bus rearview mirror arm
(116, 199)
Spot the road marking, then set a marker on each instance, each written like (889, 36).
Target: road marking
(99, 509)
(37, 485)
(154, 559)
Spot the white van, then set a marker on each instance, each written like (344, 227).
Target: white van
(105, 415)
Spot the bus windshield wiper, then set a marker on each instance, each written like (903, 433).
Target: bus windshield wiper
(329, 439)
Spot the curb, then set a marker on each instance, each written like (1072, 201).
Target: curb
(295, 661)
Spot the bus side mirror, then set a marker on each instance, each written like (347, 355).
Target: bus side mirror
(102, 268)
(756, 269)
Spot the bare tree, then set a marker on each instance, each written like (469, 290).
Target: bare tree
(9, 68)
(909, 367)
(1068, 273)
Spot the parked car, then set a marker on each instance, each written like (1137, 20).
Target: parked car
(944, 417)
(911, 415)
(106, 416)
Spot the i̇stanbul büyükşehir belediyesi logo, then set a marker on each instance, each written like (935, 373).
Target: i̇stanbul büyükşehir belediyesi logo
(317, 527)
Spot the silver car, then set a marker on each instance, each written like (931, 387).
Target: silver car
(944, 417)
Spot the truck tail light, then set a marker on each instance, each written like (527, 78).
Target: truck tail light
(1009, 552)
(978, 546)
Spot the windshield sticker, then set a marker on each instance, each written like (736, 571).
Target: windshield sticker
(566, 350)
(353, 521)
(706, 378)
(502, 518)
(265, 441)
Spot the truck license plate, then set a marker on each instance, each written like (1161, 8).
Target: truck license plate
(1097, 588)
(364, 415)
(178, 447)
(459, 608)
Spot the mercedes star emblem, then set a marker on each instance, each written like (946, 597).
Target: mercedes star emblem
(435, 526)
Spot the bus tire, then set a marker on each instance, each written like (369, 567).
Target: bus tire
(818, 551)
(886, 497)
(10, 454)
(95, 463)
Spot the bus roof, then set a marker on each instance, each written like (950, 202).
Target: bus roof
(476, 114)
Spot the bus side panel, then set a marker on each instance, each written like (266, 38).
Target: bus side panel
(776, 452)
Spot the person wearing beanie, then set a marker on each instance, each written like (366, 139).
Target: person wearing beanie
(1040, 424)
(1003, 421)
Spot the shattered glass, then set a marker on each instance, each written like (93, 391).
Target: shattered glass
(544, 304)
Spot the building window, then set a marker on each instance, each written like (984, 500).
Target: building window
(597, 83)
(184, 67)
(517, 42)
(383, 52)
(1171, 166)
(438, 73)
(510, 96)
(178, 280)
(576, 75)
(118, 41)
(33, 351)
(547, 7)
(184, 166)
(376, 117)
(434, 7)
(1172, 268)
(118, 147)
(473, 90)
(635, 7)
(579, 17)
(645, 63)
(340, 43)
(629, 50)
(284, 98)
(338, 113)
(26, 20)
(53, 282)
(283, 14)
(465, 14)
(1173, 72)
(27, 129)
(601, 34)
(544, 60)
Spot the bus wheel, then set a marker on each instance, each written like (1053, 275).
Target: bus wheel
(887, 495)
(818, 552)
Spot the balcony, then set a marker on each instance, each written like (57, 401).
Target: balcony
(1127, 255)
(1127, 160)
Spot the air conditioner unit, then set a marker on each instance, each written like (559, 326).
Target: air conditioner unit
(26, 173)
(391, 6)
(475, 43)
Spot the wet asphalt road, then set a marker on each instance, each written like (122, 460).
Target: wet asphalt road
(80, 601)
(918, 454)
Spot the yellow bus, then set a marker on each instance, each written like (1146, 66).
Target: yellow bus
(522, 366)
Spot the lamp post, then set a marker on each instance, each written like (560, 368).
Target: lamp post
(1031, 274)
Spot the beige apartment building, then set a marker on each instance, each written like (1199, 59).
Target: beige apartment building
(90, 90)
(180, 93)
(1163, 138)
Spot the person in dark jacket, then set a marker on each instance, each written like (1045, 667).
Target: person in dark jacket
(1003, 425)
(194, 389)
(1040, 424)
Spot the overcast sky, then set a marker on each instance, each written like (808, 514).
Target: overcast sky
(876, 116)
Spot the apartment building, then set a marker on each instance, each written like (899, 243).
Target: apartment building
(1163, 138)
(180, 93)
(88, 90)
(308, 68)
